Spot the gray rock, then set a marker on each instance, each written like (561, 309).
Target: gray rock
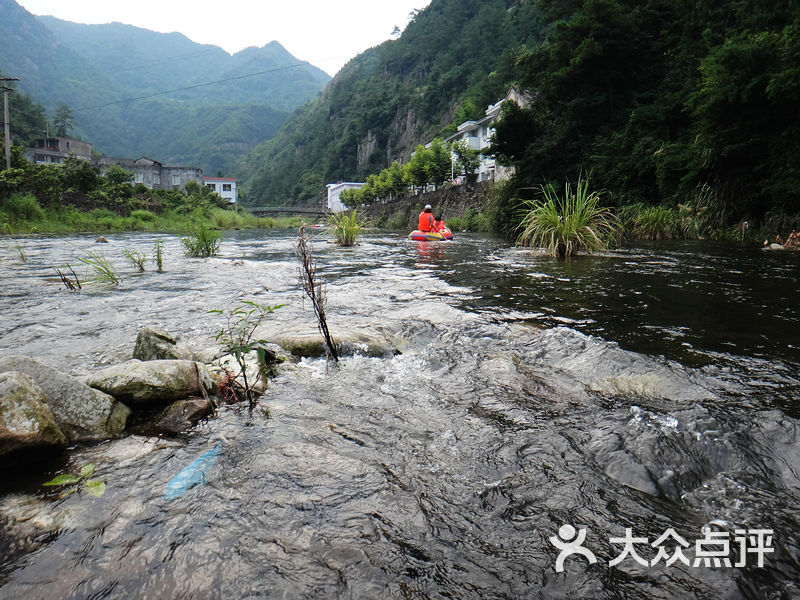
(306, 341)
(182, 414)
(83, 414)
(157, 344)
(25, 419)
(153, 382)
(101, 240)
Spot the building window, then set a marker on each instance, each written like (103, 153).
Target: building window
(212, 186)
(176, 179)
(226, 187)
(139, 178)
(156, 178)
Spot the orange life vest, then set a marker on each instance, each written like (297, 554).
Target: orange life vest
(439, 225)
(425, 221)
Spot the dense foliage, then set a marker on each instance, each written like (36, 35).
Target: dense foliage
(453, 59)
(687, 104)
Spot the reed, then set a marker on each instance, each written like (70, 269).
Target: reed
(345, 227)
(103, 269)
(568, 224)
(137, 259)
(202, 242)
(158, 255)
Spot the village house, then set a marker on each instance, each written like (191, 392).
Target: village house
(334, 192)
(478, 135)
(151, 173)
(55, 150)
(227, 187)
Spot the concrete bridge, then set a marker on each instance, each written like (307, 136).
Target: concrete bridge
(286, 210)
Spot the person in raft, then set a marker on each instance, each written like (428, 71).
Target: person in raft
(426, 219)
(438, 224)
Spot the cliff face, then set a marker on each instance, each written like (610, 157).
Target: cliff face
(453, 59)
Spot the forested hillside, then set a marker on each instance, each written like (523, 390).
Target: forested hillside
(689, 105)
(93, 68)
(453, 59)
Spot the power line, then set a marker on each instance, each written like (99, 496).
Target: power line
(168, 59)
(189, 87)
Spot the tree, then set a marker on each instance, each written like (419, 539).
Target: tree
(467, 159)
(63, 119)
(439, 163)
(416, 169)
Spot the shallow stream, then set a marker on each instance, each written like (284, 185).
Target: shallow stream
(650, 388)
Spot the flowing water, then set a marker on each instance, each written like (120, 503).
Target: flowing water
(651, 388)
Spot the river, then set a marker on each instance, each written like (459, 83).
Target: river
(654, 388)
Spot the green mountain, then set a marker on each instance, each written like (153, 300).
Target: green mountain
(453, 59)
(96, 69)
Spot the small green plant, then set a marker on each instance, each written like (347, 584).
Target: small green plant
(95, 487)
(236, 339)
(202, 242)
(137, 259)
(104, 271)
(158, 255)
(14, 244)
(568, 224)
(345, 227)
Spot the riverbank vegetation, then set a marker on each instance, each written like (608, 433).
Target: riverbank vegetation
(650, 98)
(74, 197)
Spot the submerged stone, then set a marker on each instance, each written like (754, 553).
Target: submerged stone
(182, 414)
(307, 341)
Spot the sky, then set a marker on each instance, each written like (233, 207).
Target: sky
(326, 33)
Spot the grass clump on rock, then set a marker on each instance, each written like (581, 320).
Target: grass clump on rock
(568, 224)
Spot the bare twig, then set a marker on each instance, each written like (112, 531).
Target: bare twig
(314, 290)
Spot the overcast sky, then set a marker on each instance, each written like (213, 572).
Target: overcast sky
(325, 33)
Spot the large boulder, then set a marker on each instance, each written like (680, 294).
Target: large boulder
(25, 419)
(83, 414)
(157, 344)
(150, 383)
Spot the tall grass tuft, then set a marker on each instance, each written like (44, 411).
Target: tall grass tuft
(202, 242)
(137, 259)
(158, 255)
(345, 227)
(104, 271)
(568, 224)
(645, 222)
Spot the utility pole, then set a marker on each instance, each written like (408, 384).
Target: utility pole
(6, 128)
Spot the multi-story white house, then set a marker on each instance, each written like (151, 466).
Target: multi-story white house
(335, 190)
(478, 135)
(227, 187)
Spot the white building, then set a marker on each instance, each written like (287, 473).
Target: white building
(478, 135)
(335, 190)
(227, 187)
